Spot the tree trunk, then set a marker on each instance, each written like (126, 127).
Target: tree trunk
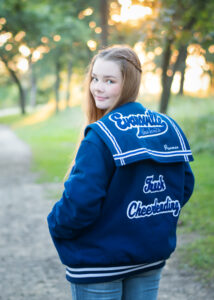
(57, 84)
(104, 14)
(181, 88)
(165, 95)
(167, 80)
(22, 93)
(211, 72)
(22, 97)
(33, 88)
(182, 69)
(68, 94)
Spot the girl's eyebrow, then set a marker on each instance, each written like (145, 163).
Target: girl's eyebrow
(105, 76)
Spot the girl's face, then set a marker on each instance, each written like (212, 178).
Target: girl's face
(106, 83)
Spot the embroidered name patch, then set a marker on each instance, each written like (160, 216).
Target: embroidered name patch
(136, 209)
(154, 186)
(148, 124)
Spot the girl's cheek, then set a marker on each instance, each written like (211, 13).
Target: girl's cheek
(116, 89)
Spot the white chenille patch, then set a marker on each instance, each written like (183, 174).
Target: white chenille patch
(148, 124)
(136, 209)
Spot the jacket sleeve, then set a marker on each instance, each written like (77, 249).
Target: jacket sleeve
(189, 183)
(85, 189)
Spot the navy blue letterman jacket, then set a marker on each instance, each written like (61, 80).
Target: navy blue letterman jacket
(119, 210)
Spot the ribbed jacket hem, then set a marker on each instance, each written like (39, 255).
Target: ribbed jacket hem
(104, 274)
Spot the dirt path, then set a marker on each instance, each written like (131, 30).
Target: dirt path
(29, 266)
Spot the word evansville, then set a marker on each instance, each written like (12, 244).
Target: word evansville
(148, 124)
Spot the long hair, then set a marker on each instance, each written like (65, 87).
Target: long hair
(130, 68)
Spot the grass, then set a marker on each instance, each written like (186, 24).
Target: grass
(198, 216)
(199, 256)
(196, 117)
(202, 199)
(10, 120)
(53, 143)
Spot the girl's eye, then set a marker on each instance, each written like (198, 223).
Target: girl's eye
(109, 81)
(94, 79)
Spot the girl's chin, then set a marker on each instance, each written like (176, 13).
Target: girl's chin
(102, 106)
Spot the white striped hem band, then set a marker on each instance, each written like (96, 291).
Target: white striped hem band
(104, 272)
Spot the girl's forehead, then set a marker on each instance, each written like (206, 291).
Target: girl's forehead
(103, 67)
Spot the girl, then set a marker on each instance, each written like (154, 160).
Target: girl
(115, 224)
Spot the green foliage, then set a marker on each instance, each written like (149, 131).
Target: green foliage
(39, 19)
(40, 23)
(21, 16)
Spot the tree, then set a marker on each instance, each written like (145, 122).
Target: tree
(104, 16)
(71, 34)
(21, 35)
(182, 70)
(180, 20)
(49, 27)
(173, 26)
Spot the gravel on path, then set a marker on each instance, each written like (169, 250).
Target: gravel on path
(29, 266)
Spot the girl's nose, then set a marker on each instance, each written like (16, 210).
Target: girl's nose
(99, 86)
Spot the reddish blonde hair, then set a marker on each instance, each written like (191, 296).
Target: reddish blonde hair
(130, 67)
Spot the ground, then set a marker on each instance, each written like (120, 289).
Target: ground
(29, 266)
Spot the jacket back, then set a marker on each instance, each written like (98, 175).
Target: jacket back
(119, 210)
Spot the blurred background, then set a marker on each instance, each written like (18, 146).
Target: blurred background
(45, 48)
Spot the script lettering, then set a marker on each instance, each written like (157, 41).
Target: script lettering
(136, 209)
(148, 124)
(154, 186)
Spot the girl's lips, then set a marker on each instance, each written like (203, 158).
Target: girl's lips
(100, 98)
